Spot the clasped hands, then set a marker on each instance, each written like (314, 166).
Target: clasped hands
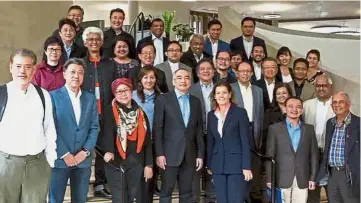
(71, 160)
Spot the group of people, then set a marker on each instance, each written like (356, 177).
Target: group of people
(152, 111)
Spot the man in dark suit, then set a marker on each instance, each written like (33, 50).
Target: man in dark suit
(194, 54)
(269, 81)
(178, 138)
(300, 86)
(247, 41)
(257, 58)
(212, 43)
(202, 91)
(223, 60)
(160, 42)
(341, 158)
(117, 17)
(294, 146)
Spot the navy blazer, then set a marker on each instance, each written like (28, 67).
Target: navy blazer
(71, 137)
(236, 45)
(222, 46)
(229, 154)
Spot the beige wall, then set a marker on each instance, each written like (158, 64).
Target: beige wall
(26, 25)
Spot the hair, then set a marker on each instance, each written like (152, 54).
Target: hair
(76, 61)
(24, 53)
(66, 21)
(145, 44)
(235, 53)
(245, 62)
(51, 40)
(204, 60)
(182, 68)
(300, 60)
(329, 80)
(347, 96)
(257, 45)
(214, 22)
(175, 42)
(315, 52)
(143, 71)
(268, 59)
(274, 104)
(119, 38)
(293, 97)
(156, 20)
(283, 51)
(116, 10)
(248, 19)
(89, 30)
(199, 36)
(221, 83)
(76, 7)
(217, 54)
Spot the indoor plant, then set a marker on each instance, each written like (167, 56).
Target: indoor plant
(168, 18)
(183, 32)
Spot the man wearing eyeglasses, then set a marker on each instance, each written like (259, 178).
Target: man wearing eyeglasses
(223, 60)
(174, 52)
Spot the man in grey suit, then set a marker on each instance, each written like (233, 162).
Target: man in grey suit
(299, 86)
(202, 90)
(250, 97)
(293, 144)
(174, 53)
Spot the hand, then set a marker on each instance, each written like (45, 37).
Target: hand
(161, 162)
(80, 157)
(209, 171)
(269, 185)
(108, 156)
(247, 175)
(311, 185)
(69, 160)
(148, 173)
(199, 164)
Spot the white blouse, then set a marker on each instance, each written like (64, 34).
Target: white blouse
(220, 121)
(286, 78)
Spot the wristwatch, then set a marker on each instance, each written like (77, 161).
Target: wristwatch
(87, 153)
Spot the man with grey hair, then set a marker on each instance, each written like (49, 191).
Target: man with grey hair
(194, 54)
(98, 76)
(317, 112)
(28, 136)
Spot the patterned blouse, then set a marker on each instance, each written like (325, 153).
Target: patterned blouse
(122, 68)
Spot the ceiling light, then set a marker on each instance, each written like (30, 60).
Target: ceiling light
(273, 7)
(354, 33)
(271, 16)
(188, 0)
(329, 28)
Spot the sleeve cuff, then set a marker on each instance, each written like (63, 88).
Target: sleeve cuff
(66, 154)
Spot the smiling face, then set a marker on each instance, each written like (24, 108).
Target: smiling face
(182, 80)
(223, 60)
(121, 49)
(222, 96)
(281, 95)
(22, 69)
(269, 69)
(258, 54)
(74, 76)
(174, 53)
(123, 94)
(205, 72)
(300, 71)
(67, 33)
(75, 15)
(148, 81)
(215, 31)
(244, 73)
(147, 55)
(93, 42)
(323, 88)
(197, 45)
(294, 108)
(53, 52)
(157, 28)
(340, 104)
(116, 20)
(285, 59)
(312, 60)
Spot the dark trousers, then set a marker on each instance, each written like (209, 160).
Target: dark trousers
(145, 193)
(255, 187)
(79, 184)
(184, 174)
(210, 189)
(314, 196)
(230, 188)
(196, 186)
(338, 190)
(100, 179)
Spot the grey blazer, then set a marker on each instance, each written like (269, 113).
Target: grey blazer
(302, 164)
(258, 110)
(165, 67)
(308, 91)
(196, 91)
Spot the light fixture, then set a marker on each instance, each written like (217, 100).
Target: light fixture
(329, 28)
(271, 16)
(188, 0)
(273, 7)
(350, 32)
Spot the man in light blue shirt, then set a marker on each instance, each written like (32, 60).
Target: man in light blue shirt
(294, 132)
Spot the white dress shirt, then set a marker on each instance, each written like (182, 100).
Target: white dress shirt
(75, 102)
(286, 78)
(321, 119)
(198, 58)
(257, 70)
(173, 66)
(247, 100)
(270, 88)
(214, 47)
(220, 121)
(158, 43)
(248, 45)
(206, 92)
(22, 129)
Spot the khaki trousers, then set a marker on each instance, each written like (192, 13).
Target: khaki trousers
(294, 194)
(24, 179)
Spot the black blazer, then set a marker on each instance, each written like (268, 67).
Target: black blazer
(188, 59)
(161, 80)
(272, 115)
(279, 73)
(171, 138)
(109, 39)
(236, 45)
(262, 84)
(352, 152)
(78, 39)
(303, 163)
(165, 44)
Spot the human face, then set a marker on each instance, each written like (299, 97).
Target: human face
(76, 16)
(157, 28)
(281, 95)
(244, 73)
(235, 61)
(312, 60)
(53, 52)
(123, 95)
(174, 53)
(116, 20)
(215, 31)
(147, 55)
(248, 28)
(148, 81)
(300, 71)
(67, 33)
(205, 72)
(197, 45)
(258, 54)
(222, 96)
(74, 76)
(93, 42)
(182, 81)
(121, 49)
(269, 69)
(285, 59)
(294, 109)
(22, 70)
(323, 88)
(223, 60)
(340, 104)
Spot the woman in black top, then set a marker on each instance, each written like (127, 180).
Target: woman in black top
(284, 57)
(121, 60)
(313, 58)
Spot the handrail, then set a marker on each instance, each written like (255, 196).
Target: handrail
(140, 17)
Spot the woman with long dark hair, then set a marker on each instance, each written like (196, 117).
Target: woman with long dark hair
(284, 57)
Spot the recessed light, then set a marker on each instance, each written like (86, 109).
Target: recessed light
(271, 16)
(272, 7)
(329, 28)
(354, 33)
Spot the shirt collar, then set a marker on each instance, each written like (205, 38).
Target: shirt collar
(289, 124)
(249, 86)
(210, 85)
(172, 64)
(245, 39)
(71, 93)
(346, 121)
(154, 37)
(216, 42)
(178, 94)
(272, 83)
(68, 47)
(16, 88)
(200, 57)
(328, 102)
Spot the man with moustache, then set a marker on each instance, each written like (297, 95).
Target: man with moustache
(300, 86)
(223, 60)
(257, 58)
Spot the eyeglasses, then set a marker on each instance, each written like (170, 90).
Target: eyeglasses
(74, 16)
(223, 59)
(51, 50)
(93, 39)
(245, 71)
(174, 50)
(148, 53)
(120, 92)
(321, 85)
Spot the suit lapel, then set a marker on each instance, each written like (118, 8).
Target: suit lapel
(200, 94)
(285, 133)
(351, 135)
(255, 103)
(168, 72)
(177, 110)
(313, 112)
(302, 137)
(238, 94)
(83, 106)
(228, 118)
(67, 103)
